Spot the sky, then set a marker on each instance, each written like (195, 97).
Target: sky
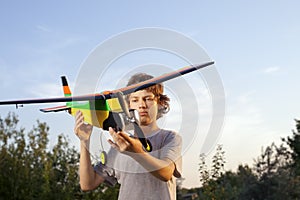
(255, 46)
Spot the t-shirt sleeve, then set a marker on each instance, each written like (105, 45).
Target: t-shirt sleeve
(172, 150)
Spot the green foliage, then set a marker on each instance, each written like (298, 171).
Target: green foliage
(204, 173)
(275, 174)
(294, 144)
(208, 178)
(218, 162)
(30, 170)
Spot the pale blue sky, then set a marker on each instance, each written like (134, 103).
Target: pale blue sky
(255, 45)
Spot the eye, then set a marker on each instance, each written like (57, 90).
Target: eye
(149, 99)
(133, 100)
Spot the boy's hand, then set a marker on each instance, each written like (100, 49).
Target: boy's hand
(124, 143)
(81, 129)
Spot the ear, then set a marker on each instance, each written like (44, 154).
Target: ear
(162, 109)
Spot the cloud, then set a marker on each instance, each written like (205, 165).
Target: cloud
(245, 130)
(45, 90)
(43, 28)
(271, 70)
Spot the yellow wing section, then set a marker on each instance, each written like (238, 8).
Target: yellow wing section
(93, 117)
(96, 117)
(114, 105)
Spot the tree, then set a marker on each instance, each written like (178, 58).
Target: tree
(30, 170)
(204, 173)
(277, 170)
(294, 144)
(208, 178)
(217, 169)
(275, 174)
(218, 161)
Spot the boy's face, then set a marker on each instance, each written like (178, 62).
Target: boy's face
(146, 104)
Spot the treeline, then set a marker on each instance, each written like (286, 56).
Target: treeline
(30, 170)
(274, 175)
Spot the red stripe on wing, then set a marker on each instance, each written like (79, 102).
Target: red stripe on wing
(55, 109)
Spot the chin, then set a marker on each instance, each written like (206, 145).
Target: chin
(145, 123)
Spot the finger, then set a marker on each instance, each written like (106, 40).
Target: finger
(77, 128)
(119, 140)
(78, 113)
(80, 116)
(110, 141)
(78, 125)
(77, 117)
(124, 140)
(89, 126)
(126, 137)
(112, 133)
(114, 145)
(80, 120)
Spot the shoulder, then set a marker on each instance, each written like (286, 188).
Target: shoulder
(165, 138)
(170, 135)
(166, 132)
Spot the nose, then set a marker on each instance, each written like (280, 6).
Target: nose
(142, 103)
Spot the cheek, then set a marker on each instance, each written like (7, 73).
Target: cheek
(132, 106)
(154, 109)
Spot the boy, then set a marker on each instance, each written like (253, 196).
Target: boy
(142, 175)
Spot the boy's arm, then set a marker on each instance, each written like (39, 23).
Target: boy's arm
(160, 168)
(89, 179)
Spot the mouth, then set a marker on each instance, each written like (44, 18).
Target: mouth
(143, 113)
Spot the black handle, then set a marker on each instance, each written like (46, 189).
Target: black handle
(146, 143)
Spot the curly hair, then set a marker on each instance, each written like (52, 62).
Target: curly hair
(157, 89)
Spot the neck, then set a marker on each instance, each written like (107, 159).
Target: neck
(147, 130)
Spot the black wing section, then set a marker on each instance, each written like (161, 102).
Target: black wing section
(160, 79)
(58, 99)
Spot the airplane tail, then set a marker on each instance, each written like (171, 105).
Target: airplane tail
(66, 88)
(67, 93)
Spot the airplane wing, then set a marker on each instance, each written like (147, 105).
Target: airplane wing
(58, 99)
(159, 79)
(113, 93)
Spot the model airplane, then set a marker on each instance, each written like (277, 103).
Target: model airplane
(107, 109)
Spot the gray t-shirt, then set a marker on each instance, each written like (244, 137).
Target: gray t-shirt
(136, 182)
